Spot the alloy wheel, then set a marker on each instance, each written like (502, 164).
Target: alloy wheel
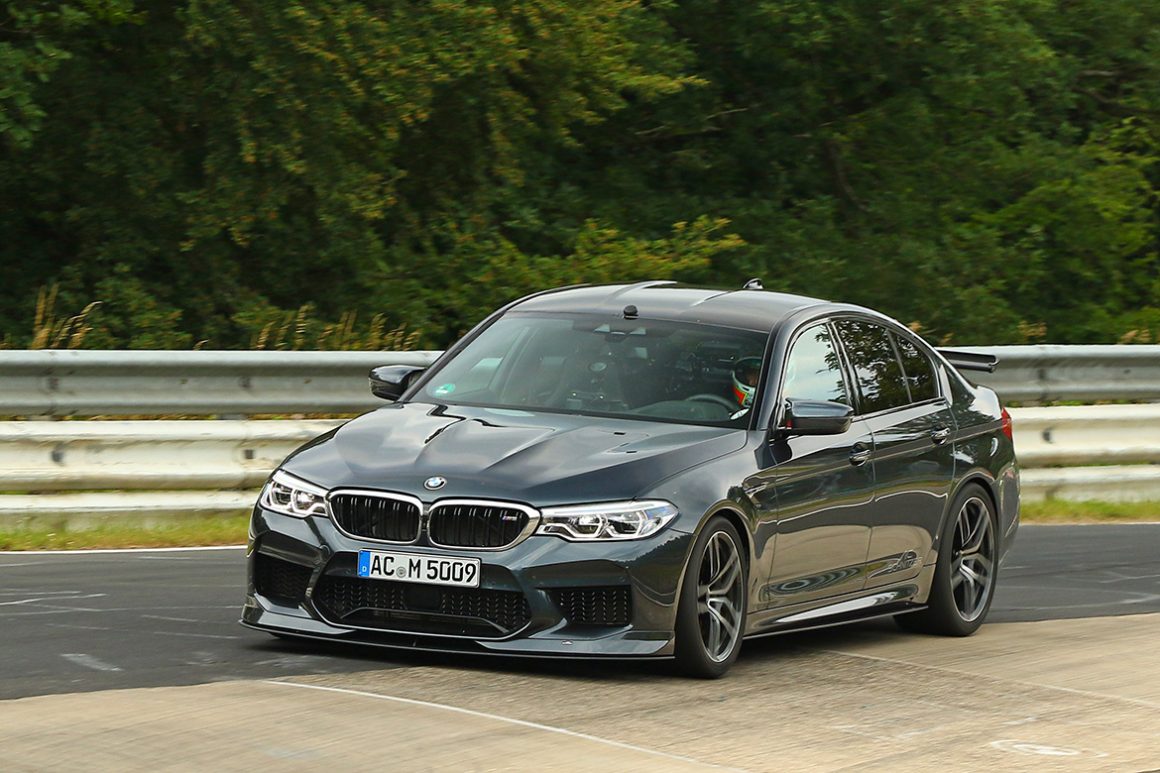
(972, 559)
(720, 595)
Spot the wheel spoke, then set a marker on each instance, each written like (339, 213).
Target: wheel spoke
(978, 535)
(711, 560)
(969, 600)
(723, 568)
(726, 572)
(966, 528)
(983, 563)
(971, 574)
(732, 619)
(714, 641)
(724, 620)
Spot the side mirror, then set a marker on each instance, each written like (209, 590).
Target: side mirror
(390, 381)
(816, 417)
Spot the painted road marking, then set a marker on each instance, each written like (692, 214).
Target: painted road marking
(194, 635)
(1043, 750)
(178, 619)
(500, 718)
(88, 661)
(42, 599)
(73, 626)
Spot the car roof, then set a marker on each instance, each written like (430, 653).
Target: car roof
(749, 309)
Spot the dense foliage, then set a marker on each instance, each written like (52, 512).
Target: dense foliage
(237, 173)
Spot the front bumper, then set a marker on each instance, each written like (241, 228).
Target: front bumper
(544, 596)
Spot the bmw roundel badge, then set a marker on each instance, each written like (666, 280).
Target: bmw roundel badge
(434, 483)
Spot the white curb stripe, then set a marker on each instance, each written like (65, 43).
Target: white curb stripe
(499, 718)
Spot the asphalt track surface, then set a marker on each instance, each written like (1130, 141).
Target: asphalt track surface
(82, 622)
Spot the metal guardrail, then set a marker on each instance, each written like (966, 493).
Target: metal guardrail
(55, 456)
(1055, 372)
(193, 383)
(199, 383)
(1087, 435)
(83, 472)
(201, 454)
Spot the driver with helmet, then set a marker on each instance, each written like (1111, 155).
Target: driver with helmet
(745, 375)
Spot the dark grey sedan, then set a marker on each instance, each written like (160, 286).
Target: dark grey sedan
(646, 470)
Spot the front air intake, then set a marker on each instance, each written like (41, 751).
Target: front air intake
(280, 579)
(609, 605)
(428, 609)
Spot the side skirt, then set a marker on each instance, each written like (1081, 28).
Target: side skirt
(881, 602)
(834, 622)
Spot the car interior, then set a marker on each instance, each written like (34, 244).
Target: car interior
(661, 370)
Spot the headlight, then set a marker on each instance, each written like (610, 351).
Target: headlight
(611, 521)
(292, 496)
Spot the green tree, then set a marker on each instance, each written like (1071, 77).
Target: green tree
(986, 169)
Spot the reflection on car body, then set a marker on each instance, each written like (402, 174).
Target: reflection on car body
(645, 470)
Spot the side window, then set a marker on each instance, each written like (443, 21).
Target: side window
(812, 371)
(878, 373)
(918, 370)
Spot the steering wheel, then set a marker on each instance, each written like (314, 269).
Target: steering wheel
(724, 402)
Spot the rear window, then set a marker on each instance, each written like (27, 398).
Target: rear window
(877, 371)
(919, 371)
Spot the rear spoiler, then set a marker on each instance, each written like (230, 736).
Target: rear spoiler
(970, 360)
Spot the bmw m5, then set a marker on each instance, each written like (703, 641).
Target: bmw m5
(646, 470)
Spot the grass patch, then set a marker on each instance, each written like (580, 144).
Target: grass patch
(183, 533)
(1063, 511)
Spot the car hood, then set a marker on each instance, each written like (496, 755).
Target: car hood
(538, 458)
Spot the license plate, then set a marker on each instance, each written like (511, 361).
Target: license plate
(414, 567)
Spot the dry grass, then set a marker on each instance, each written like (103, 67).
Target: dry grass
(52, 332)
(275, 329)
(295, 330)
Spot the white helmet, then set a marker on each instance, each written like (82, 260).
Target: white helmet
(745, 374)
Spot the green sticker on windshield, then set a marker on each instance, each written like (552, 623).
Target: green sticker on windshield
(446, 389)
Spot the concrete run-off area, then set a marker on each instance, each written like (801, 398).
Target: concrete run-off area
(1050, 695)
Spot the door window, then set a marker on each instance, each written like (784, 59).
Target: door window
(877, 371)
(812, 371)
(918, 370)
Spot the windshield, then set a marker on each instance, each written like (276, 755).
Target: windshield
(587, 364)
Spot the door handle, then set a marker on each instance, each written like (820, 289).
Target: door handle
(859, 455)
(940, 435)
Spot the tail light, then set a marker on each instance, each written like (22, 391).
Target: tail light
(1008, 428)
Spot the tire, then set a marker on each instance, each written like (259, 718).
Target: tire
(711, 610)
(966, 572)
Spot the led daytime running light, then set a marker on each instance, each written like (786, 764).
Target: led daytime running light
(289, 495)
(609, 521)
